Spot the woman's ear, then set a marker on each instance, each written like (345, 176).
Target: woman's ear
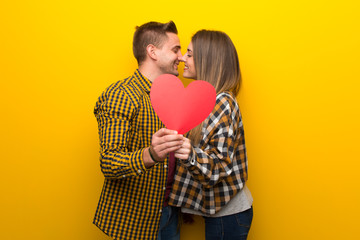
(151, 51)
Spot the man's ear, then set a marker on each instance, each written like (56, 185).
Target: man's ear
(151, 51)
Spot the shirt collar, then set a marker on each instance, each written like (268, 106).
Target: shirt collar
(142, 81)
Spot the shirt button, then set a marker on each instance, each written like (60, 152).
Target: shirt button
(165, 166)
(123, 176)
(164, 188)
(139, 171)
(160, 210)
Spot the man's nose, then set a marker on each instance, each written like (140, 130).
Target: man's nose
(181, 58)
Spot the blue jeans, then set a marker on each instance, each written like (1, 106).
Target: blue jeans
(169, 229)
(231, 227)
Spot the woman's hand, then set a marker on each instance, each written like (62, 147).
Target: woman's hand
(184, 151)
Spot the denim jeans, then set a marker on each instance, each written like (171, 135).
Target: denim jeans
(231, 227)
(169, 229)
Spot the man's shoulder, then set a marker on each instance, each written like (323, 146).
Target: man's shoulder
(126, 87)
(121, 85)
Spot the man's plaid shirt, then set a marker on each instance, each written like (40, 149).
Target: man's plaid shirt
(132, 196)
(217, 168)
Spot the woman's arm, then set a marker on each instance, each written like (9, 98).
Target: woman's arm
(212, 161)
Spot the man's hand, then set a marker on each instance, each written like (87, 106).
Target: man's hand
(163, 142)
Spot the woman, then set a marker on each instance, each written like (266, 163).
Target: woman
(212, 164)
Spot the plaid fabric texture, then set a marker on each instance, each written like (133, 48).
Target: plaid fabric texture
(132, 196)
(217, 168)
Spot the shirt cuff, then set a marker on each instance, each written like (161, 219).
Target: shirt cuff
(137, 163)
(191, 159)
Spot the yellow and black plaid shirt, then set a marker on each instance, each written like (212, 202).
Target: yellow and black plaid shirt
(132, 196)
(217, 168)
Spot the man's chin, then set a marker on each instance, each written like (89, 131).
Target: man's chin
(175, 73)
(172, 72)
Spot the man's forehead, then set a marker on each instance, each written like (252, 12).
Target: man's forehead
(172, 39)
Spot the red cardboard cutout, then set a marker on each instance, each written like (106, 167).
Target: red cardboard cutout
(180, 108)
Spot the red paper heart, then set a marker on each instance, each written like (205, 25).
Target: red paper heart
(180, 108)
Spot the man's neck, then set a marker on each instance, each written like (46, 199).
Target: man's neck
(150, 72)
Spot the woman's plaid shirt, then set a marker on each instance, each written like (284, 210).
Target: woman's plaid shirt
(217, 168)
(132, 196)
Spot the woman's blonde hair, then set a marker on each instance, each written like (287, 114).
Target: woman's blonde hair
(216, 61)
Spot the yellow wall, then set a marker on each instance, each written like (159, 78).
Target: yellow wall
(299, 100)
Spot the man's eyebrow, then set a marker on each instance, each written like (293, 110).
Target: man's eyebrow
(177, 47)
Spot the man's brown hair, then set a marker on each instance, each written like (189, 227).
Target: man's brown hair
(150, 33)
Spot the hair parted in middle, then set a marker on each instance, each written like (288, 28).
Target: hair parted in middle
(216, 61)
(150, 33)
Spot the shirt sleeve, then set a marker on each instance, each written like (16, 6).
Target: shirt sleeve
(212, 162)
(114, 111)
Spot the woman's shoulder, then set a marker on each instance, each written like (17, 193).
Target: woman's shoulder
(227, 99)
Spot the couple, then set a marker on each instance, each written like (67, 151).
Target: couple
(145, 190)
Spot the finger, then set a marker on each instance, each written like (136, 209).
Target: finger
(183, 151)
(181, 156)
(156, 140)
(171, 138)
(168, 145)
(167, 141)
(165, 152)
(164, 131)
(186, 145)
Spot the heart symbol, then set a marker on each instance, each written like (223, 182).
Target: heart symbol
(180, 108)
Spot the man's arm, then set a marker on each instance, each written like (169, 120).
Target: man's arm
(114, 112)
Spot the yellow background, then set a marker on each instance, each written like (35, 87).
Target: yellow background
(299, 100)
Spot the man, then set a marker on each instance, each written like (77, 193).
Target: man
(134, 143)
